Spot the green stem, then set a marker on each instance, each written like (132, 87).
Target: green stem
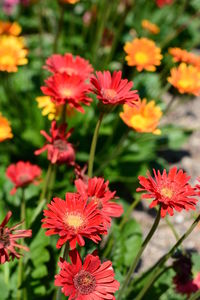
(93, 145)
(159, 265)
(65, 257)
(121, 225)
(171, 101)
(59, 28)
(171, 226)
(136, 260)
(46, 183)
(195, 296)
(20, 291)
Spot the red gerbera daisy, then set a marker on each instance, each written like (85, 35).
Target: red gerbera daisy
(59, 150)
(68, 64)
(63, 88)
(113, 90)
(161, 3)
(8, 237)
(171, 191)
(97, 191)
(22, 174)
(72, 219)
(89, 280)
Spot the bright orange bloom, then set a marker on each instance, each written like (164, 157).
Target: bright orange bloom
(142, 118)
(151, 27)
(69, 1)
(184, 56)
(12, 53)
(143, 54)
(10, 28)
(5, 129)
(186, 79)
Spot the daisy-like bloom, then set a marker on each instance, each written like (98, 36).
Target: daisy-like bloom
(70, 89)
(5, 129)
(143, 54)
(10, 28)
(161, 3)
(96, 190)
(73, 219)
(186, 79)
(51, 110)
(143, 118)
(112, 89)
(87, 280)
(171, 192)
(68, 64)
(12, 53)
(59, 150)
(181, 55)
(22, 174)
(151, 27)
(8, 240)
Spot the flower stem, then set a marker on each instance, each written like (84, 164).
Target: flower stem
(195, 296)
(20, 291)
(136, 260)
(158, 266)
(46, 183)
(65, 257)
(59, 28)
(93, 146)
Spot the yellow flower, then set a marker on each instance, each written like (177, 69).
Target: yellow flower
(151, 27)
(9, 28)
(142, 118)
(50, 109)
(5, 129)
(12, 53)
(186, 79)
(143, 54)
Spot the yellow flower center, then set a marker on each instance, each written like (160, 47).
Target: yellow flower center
(166, 192)
(185, 83)
(141, 58)
(74, 220)
(67, 92)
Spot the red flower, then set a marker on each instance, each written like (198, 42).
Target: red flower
(171, 191)
(59, 150)
(8, 237)
(112, 89)
(189, 287)
(22, 174)
(89, 280)
(161, 3)
(63, 88)
(97, 191)
(68, 64)
(72, 219)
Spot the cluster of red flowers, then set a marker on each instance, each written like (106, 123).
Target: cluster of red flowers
(84, 214)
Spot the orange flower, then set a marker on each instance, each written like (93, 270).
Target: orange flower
(184, 56)
(5, 129)
(186, 79)
(50, 109)
(69, 1)
(10, 28)
(143, 118)
(143, 54)
(12, 53)
(151, 27)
